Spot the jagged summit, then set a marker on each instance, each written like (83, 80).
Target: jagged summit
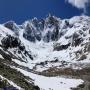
(48, 29)
(64, 33)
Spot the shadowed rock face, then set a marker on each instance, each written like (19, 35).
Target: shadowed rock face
(10, 42)
(61, 47)
(10, 25)
(76, 39)
(36, 29)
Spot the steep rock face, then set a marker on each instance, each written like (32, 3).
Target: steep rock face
(33, 29)
(12, 42)
(12, 26)
(44, 29)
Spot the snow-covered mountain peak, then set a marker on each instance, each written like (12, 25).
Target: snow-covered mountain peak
(11, 25)
(74, 31)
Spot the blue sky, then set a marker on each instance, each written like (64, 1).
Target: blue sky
(21, 10)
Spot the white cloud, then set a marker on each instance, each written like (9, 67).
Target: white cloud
(80, 4)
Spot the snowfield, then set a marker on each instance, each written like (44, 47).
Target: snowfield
(52, 83)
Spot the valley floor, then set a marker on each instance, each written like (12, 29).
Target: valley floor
(53, 83)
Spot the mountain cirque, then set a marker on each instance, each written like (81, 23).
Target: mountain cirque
(40, 52)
